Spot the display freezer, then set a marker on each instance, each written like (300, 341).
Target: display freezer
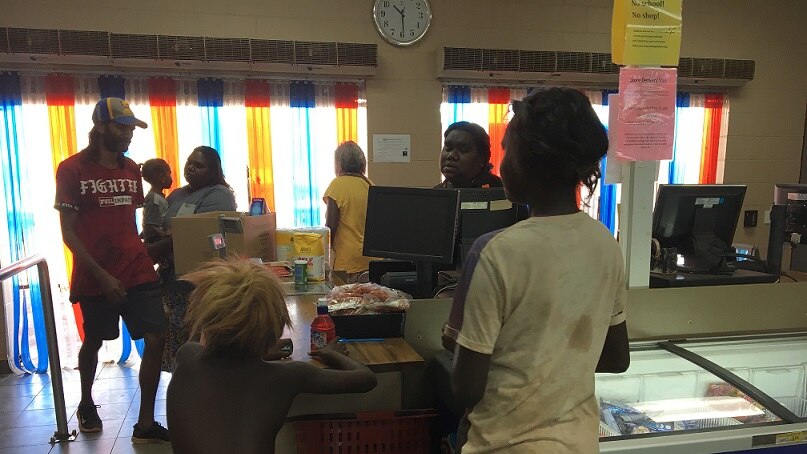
(715, 396)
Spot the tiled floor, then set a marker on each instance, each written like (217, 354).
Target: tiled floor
(28, 419)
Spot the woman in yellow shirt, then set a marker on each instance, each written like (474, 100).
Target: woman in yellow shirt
(346, 198)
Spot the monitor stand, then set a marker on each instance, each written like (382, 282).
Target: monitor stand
(706, 256)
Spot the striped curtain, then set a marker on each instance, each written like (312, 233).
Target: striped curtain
(259, 142)
(284, 132)
(25, 301)
(714, 105)
(347, 112)
(163, 103)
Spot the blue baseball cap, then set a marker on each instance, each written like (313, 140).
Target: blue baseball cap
(117, 110)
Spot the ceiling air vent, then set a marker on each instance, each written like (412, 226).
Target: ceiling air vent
(685, 67)
(538, 61)
(227, 49)
(601, 63)
(272, 51)
(311, 53)
(740, 69)
(460, 58)
(589, 69)
(574, 62)
(181, 47)
(33, 41)
(354, 54)
(79, 42)
(708, 68)
(4, 40)
(499, 60)
(133, 46)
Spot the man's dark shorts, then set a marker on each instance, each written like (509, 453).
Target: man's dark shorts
(142, 311)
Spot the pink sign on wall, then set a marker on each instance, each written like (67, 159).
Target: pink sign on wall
(646, 116)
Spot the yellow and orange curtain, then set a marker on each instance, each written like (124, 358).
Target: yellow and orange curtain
(60, 98)
(347, 112)
(259, 142)
(163, 105)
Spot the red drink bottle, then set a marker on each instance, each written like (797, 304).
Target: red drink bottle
(323, 329)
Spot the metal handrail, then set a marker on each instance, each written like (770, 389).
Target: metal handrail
(41, 264)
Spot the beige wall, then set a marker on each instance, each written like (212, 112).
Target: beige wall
(767, 115)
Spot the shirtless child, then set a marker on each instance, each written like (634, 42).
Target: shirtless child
(224, 397)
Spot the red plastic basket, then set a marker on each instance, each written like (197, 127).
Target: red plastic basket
(403, 432)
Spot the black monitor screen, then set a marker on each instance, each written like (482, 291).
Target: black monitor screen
(692, 217)
(411, 224)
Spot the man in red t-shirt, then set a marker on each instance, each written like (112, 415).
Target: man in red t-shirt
(97, 193)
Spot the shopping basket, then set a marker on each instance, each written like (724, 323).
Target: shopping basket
(398, 432)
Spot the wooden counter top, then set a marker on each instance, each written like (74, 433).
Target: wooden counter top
(385, 356)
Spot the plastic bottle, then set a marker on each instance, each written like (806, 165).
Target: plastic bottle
(323, 329)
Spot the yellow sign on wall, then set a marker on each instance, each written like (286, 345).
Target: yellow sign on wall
(646, 32)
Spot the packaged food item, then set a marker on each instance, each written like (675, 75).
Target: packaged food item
(366, 298)
(308, 247)
(284, 242)
(626, 420)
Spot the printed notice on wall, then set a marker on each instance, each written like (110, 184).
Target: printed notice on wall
(646, 116)
(391, 147)
(613, 165)
(646, 32)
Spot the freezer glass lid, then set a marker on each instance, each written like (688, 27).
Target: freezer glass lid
(662, 392)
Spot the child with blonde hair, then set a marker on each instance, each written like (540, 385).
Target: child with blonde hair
(224, 396)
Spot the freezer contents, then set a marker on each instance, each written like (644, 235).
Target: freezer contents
(724, 405)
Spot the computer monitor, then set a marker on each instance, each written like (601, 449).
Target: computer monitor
(412, 224)
(483, 211)
(699, 221)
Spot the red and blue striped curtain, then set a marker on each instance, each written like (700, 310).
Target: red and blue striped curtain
(25, 303)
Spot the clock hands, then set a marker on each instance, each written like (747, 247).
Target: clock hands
(401, 12)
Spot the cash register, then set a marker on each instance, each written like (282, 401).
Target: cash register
(693, 230)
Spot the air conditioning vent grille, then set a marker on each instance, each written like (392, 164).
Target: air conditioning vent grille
(499, 60)
(227, 49)
(602, 64)
(685, 67)
(4, 40)
(708, 68)
(574, 62)
(740, 69)
(133, 46)
(181, 47)
(75, 42)
(311, 53)
(33, 41)
(272, 51)
(459, 58)
(538, 61)
(355, 54)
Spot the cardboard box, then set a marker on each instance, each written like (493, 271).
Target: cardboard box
(192, 244)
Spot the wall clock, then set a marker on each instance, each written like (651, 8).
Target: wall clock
(402, 22)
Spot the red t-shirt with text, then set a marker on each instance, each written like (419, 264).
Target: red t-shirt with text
(106, 200)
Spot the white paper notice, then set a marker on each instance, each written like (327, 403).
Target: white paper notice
(391, 147)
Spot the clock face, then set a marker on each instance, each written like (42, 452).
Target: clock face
(402, 22)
